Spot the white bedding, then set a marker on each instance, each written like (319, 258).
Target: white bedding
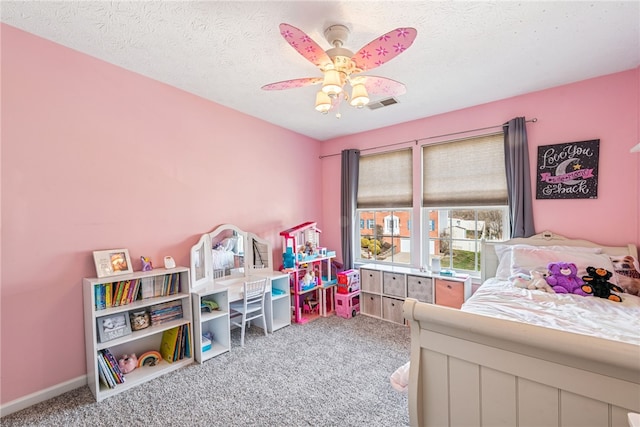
(594, 316)
(222, 259)
(589, 315)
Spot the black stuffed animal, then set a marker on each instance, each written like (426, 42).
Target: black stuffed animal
(597, 284)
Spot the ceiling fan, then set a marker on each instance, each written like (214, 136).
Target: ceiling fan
(340, 66)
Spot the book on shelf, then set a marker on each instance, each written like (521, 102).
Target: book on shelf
(176, 343)
(133, 296)
(179, 341)
(101, 375)
(108, 291)
(100, 297)
(158, 285)
(113, 366)
(169, 343)
(117, 294)
(147, 287)
(165, 312)
(125, 292)
(106, 372)
(187, 343)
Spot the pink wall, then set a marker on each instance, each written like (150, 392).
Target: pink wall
(605, 108)
(96, 157)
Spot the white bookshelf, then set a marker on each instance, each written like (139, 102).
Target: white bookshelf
(137, 342)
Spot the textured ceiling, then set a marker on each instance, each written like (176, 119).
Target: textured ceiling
(465, 54)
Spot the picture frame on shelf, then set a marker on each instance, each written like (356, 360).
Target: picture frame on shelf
(113, 326)
(112, 262)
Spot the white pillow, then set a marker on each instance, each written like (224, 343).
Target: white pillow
(505, 255)
(526, 259)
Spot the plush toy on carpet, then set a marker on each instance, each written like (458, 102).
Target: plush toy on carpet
(563, 278)
(597, 284)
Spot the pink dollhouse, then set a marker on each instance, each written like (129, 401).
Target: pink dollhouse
(310, 272)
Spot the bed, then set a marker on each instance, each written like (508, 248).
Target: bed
(558, 360)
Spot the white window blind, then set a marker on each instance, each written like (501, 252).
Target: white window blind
(468, 172)
(385, 180)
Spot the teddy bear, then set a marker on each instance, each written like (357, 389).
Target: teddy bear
(563, 278)
(597, 284)
(536, 281)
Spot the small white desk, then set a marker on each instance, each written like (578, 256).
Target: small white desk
(226, 290)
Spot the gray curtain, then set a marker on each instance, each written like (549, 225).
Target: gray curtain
(516, 153)
(348, 198)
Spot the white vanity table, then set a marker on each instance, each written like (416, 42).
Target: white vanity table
(218, 270)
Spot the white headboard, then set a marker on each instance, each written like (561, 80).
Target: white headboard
(489, 263)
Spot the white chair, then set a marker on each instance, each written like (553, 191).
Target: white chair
(250, 308)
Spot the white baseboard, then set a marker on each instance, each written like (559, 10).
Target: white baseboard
(42, 395)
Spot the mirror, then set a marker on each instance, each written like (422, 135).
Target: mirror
(228, 252)
(261, 254)
(218, 254)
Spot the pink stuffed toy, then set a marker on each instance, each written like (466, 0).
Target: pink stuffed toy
(563, 278)
(127, 363)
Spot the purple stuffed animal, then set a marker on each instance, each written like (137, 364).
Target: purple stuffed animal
(563, 278)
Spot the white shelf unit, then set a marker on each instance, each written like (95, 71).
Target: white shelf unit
(216, 322)
(384, 289)
(137, 342)
(279, 311)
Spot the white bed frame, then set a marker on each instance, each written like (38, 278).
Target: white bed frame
(473, 370)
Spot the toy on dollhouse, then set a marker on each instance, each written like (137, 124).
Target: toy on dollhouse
(303, 239)
(309, 266)
(310, 305)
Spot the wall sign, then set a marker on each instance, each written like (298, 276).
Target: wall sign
(568, 171)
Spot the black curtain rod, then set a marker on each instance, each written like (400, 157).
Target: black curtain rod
(430, 137)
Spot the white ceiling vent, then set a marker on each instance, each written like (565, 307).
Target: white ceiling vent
(382, 103)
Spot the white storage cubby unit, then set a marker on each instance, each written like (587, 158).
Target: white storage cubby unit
(137, 341)
(218, 272)
(384, 289)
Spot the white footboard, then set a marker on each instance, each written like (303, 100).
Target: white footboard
(472, 370)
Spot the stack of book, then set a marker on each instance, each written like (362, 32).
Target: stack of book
(159, 286)
(108, 370)
(176, 343)
(116, 293)
(127, 291)
(166, 312)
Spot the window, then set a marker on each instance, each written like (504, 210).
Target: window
(387, 241)
(391, 224)
(464, 200)
(361, 224)
(456, 239)
(385, 197)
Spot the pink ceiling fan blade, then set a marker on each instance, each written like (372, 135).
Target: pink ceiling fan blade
(384, 48)
(381, 85)
(305, 46)
(291, 84)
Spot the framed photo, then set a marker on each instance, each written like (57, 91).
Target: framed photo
(112, 262)
(113, 326)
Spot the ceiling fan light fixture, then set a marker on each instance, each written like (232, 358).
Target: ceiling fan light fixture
(359, 96)
(332, 83)
(340, 66)
(323, 102)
